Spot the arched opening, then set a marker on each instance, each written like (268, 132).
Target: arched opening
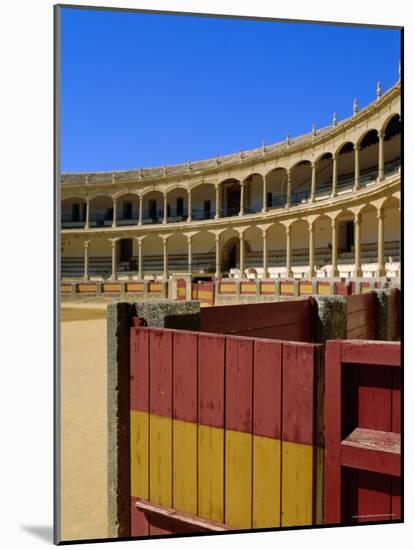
(126, 261)
(324, 170)
(177, 248)
(301, 178)
(299, 237)
(322, 238)
(203, 201)
(276, 246)
(253, 195)
(368, 158)
(73, 212)
(392, 145)
(127, 210)
(346, 167)
(153, 207)
(152, 256)
(177, 205)
(276, 185)
(101, 211)
(253, 240)
(230, 251)
(392, 231)
(100, 261)
(230, 189)
(204, 252)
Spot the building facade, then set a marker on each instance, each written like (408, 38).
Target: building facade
(325, 204)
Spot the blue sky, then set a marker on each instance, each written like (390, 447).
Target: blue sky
(142, 90)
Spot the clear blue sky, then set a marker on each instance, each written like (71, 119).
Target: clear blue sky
(142, 90)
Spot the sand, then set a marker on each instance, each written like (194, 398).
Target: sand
(84, 434)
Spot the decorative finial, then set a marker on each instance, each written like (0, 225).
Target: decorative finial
(355, 106)
(164, 171)
(314, 129)
(334, 121)
(140, 173)
(287, 140)
(263, 148)
(86, 178)
(241, 155)
(379, 93)
(189, 165)
(113, 177)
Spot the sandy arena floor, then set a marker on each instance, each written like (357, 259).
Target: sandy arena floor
(84, 439)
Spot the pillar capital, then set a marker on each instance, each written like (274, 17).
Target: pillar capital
(357, 147)
(380, 213)
(86, 243)
(357, 217)
(381, 134)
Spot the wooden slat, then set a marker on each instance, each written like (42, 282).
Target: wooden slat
(185, 422)
(238, 478)
(375, 398)
(211, 373)
(372, 450)
(267, 403)
(371, 353)
(373, 497)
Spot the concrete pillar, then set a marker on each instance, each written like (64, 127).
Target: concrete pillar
(165, 209)
(357, 233)
(288, 190)
(381, 263)
(313, 183)
(218, 262)
(335, 271)
(114, 263)
(380, 155)
(190, 255)
(289, 272)
(87, 214)
(86, 260)
(242, 185)
(264, 208)
(265, 259)
(140, 266)
(241, 256)
(311, 251)
(190, 212)
(334, 174)
(356, 149)
(165, 255)
(218, 202)
(140, 217)
(114, 214)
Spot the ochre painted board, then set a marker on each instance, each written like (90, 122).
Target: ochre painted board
(297, 484)
(266, 482)
(185, 466)
(211, 473)
(160, 491)
(238, 480)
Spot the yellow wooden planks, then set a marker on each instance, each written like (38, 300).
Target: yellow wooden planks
(161, 460)
(266, 482)
(297, 484)
(139, 454)
(185, 466)
(211, 473)
(238, 499)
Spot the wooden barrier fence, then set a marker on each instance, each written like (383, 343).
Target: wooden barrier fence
(361, 316)
(223, 432)
(363, 426)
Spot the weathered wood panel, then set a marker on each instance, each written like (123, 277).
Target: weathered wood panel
(361, 316)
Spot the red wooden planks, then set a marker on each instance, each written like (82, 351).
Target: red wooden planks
(267, 389)
(211, 354)
(373, 497)
(139, 343)
(375, 398)
(371, 353)
(239, 378)
(161, 372)
(139, 521)
(185, 376)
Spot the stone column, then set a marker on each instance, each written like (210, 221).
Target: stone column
(190, 208)
(288, 190)
(87, 214)
(140, 220)
(218, 202)
(114, 263)
(311, 251)
(242, 185)
(140, 266)
(356, 149)
(218, 271)
(334, 175)
(165, 209)
(190, 255)
(380, 155)
(265, 259)
(264, 208)
(165, 254)
(381, 263)
(289, 272)
(313, 183)
(357, 233)
(86, 260)
(114, 213)
(241, 255)
(335, 272)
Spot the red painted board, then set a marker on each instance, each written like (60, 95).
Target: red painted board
(211, 361)
(185, 376)
(374, 497)
(239, 378)
(161, 372)
(333, 423)
(298, 392)
(396, 401)
(139, 522)
(139, 343)
(375, 398)
(370, 352)
(267, 389)
(396, 485)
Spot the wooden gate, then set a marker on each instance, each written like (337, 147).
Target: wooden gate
(223, 433)
(363, 425)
